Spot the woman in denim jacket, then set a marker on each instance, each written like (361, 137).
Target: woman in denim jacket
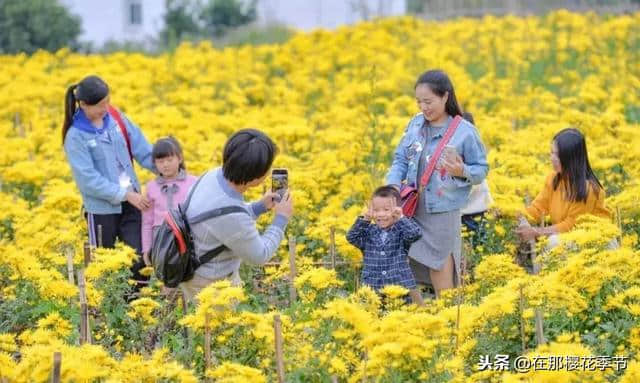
(436, 256)
(102, 167)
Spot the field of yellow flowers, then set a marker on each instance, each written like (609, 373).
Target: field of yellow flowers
(336, 103)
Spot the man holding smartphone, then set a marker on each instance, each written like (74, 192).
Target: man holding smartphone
(247, 158)
(279, 183)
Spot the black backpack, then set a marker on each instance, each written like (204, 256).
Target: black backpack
(172, 253)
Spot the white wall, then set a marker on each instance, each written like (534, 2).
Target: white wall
(109, 20)
(310, 14)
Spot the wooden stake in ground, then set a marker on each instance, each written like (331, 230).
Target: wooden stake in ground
(185, 330)
(538, 312)
(87, 254)
(85, 334)
(69, 255)
(57, 365)
(332, 248)
(535, 270)
(364, 369)
(460, 298)
(207, 343)
(293, 272)
(619, 223)
(17, 124)
(540, 327)
(99, 235)
(277, 328)
(522, 332)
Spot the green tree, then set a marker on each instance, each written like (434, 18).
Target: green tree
(29, 25)
(219, 16)
(415, 6)
(181, 22)
(204, 19)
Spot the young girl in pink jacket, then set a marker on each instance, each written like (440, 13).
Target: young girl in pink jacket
(166, 191)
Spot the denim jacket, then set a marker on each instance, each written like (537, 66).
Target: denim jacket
(443, 192)
(96, 160)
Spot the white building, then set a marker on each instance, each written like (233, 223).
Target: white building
(118, 20)
(310, 14)
(142, 20)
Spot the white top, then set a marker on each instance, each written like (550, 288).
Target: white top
(479, 199)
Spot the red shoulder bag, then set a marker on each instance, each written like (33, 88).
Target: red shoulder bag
(409, 194)
(115, 113)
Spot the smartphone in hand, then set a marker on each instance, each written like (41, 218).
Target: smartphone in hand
(450, 152)
(279, 182)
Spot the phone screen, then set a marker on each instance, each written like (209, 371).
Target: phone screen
(450, 151)
(279, 181)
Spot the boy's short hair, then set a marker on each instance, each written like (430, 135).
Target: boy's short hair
(387, 191)
(247, 156)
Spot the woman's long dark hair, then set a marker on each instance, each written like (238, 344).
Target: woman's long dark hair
(576, 171)
(439, 83)
(90, 90)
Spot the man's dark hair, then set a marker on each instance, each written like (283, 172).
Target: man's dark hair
(388, 191)
(247, 156)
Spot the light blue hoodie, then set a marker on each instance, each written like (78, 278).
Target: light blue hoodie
(98, 157)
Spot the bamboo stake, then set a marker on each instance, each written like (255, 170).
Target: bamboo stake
(17, 123)
(85, 333)
(185, 330)
(277, 327)
(57, 364)
(99, 235)
(364, 369)
(207, 343)
(619, 223)
(539, 319)
(540, 327)
(69, 256)
(87, 254)
(538, 312)
(293, 294)
(522, 332)
(332, 248)
(460, 298)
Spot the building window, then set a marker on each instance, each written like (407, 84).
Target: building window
(135, 13)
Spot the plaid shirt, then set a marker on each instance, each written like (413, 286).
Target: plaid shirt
(385, 252)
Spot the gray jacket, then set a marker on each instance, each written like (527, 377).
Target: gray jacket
(237, 231)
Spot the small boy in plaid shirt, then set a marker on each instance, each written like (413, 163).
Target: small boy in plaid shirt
(386, 243)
